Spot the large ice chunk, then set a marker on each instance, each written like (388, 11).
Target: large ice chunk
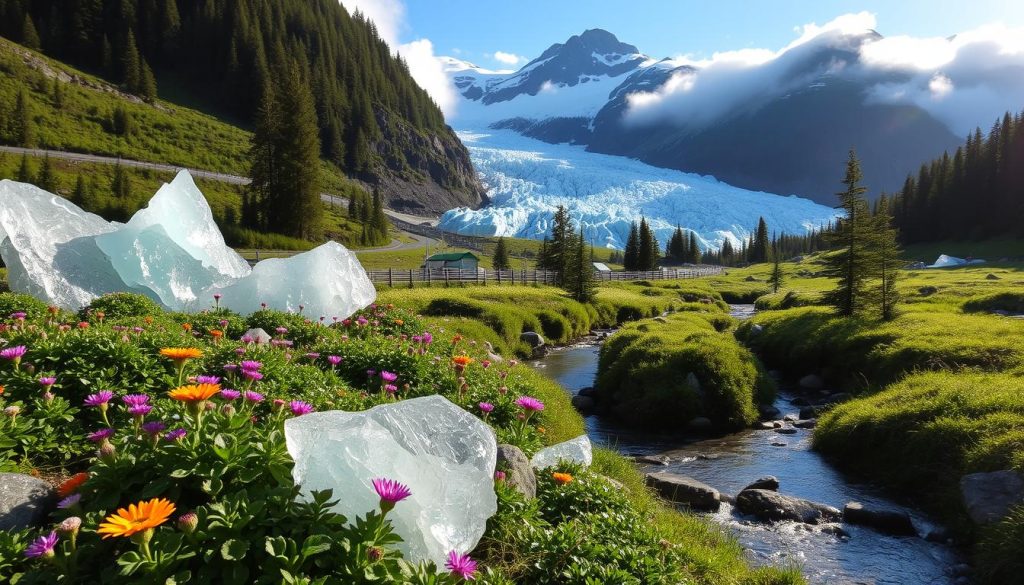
(328, 281)
(576, 450)
(47, 245)
(181, 209)
(444, 454)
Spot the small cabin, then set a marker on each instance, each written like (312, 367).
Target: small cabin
(601, 267)
(452, 260)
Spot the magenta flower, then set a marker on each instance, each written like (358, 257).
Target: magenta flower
(390, 492)
(207, 379)
(217, 296)
(231, 368)
(69, 501)
(47, 381)
(19, 315)
(486, 407)
(229, 394)
(362, 321)
(100, 398)
(13, 353)
(334, 359)
(390, 388)
(388, 376)
(42, 546)
(461, 565)
(253, 397)
(135, 399)
(241, 350)
(529, 404)
(175, 435)
(100, 435)
(371, 373)
(282, 330)
(251, 365)
(252, 375)
(427, 338)
(300, 408)
(137, 329)
(139, 409)
(153, 428)
(499, 476)
(312, 355)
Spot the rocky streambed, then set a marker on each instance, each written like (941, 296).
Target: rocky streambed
(784, 503)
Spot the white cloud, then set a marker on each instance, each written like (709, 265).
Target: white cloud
(424, 65)
(964, 80)
(507, 58)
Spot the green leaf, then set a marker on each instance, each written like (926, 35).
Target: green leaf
(180, 473)
(234, 549)
(316, 544)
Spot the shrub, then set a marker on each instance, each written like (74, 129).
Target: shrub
(21, 303)
(121, 304)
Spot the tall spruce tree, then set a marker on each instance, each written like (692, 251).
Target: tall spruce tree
(647, 254)
(631, 254)
(852, 263)
(759, 244)
(676, 250)
(559, 247)
(776, 278)
(29, 36)
(501, 260)
(887, 260)
(120, 184)
(25, 170)
(46, 180)
(580, 281)
(21, 129)
(694, 249)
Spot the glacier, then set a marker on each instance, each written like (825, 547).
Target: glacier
(170, 251)
(527, 179)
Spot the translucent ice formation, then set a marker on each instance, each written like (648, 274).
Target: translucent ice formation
(445, 456)
(576, 450)
(170, 251)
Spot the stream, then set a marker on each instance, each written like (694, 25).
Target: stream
(731, 462)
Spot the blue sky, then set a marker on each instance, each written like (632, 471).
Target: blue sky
(477, 29)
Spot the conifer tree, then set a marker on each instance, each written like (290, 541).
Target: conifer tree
(24, 170)
(147, 83)
(80, 194)
(46, 179)
(776, 278)
(647, 254)
(759, 243)
(501, 260)
(694, 249)
(887, 260)
(29, 36)
(378, 219)
(120, 185)
(852, 263)
(559, 246)
(21, 121)
(580, 280)
(131, 66)
(631, 254)
(676, 250)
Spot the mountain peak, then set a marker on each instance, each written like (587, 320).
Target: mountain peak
(591, 41)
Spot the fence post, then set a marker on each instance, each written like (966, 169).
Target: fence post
(391, 281)
(428, 276)
(498, 274)
(445, 276)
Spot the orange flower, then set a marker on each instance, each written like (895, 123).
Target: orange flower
(180, 354)
(187, 327)
(2, 390)
(148, 320)
(71, 485)
(456, 338)
(561, 478)
(462, 360)
(137, 518)
(194, 392)
(399, 322)
(216, 333)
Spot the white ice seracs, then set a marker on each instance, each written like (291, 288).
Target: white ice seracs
(576, 450)
(170, 251)
(445, 455)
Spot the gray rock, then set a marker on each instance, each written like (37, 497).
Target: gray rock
(806, 424)
(808, 412)
(583, 403)
(518, 471)
(533, 338)
(772, 506)
(693, 382)
(768, 482)
(25, 501)
(756, 329)
(991, 276)
(652, 459)
(937, 534)
(726, 498)
(989, 496)
(257, 335)
(893, 522)
(684, 490)
(699, 424)
(811, 382)
(786, 431)
(791, 418)
(769, 412)
(778, 444)
(764, 425)
(835, 530)
(927, 291)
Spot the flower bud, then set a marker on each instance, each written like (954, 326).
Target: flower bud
(227, 410)
(107, 452)
(374, 553)
(70, 525)
(48, 396)
(188, 522)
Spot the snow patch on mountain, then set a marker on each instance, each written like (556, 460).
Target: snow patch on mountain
(527, 180)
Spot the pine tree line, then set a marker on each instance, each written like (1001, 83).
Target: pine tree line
(642, 251)
(229, 50)
(566, 253)
(368, 210)
(976, 193)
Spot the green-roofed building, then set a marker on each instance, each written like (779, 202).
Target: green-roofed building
(452, 260)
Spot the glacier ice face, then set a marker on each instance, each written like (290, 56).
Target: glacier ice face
(527, 180)
(445, 456)
(576, 450)
(170, 251)
(327, 281)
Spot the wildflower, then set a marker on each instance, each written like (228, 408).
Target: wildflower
(456, 338)
(188, 522)
(312, 355)
(175, 435)
(229, 394)
(361, 321)
(461, 565)
(390, 388)
(207, 379)
(334, 360)
(513, 363)
(13, 354)
(374, 553)
(100, 436)
(99, 399)
(180, 355)
(529, 404)
(194, 393)
(216, 334)
(253, 397)
(107, 453)
(299, 408)
(278, 404)
(19, 315)
(251, 365)
(135, 399)
(427, 338)
(390, 492)
(281, 330)
(486, 364)
(48, 396)
(71, 485)
(187, 327)
(371, 373)
(137, 329)
(486, 407)
(461, 361)
(252, 375)
(139, 410)
(47, 381)
(70, 525)
(227, 410)
(224, 323)
(69, 502)
(83, 324)
(499, 476)
(137, 518)
(153, 428)
(12, 411)
(561, 478)
(388, 376)
(42, 546)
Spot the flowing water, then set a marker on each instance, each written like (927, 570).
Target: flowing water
(860, 555)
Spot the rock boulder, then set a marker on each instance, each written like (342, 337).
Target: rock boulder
(681, 489)
(518, 472)
(893, 522)
(24, 501)
(989, 496)
(772, 506)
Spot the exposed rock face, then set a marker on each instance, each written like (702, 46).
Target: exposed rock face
(684, 490)
(533, 338)
(989, 496)
(518, 472)
(888, 521)
(769, 482)
(24, 501)
(774, 507)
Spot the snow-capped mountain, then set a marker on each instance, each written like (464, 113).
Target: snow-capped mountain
(786, 134)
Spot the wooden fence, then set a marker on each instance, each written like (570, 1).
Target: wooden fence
(409, 277)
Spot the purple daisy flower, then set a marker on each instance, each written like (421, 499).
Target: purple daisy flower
(100, 435)
(281, 330)
(461, 565)
(390, 388)
(231, 368)
(388, 376)
(13, 353)
(300, 408)
(42, 546)
(334, 359)
(47, 381)
(251, 365)
(253, 397)
(486, 406)
(312, 355)
(371, 373)
(139, 409)
(229, 394)
(175, 435)
(69, 501)
(100, 398)
(390, 492)
(207, 379)
(135, 399)
(529, 404)
(252, 375)
(153, 427)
